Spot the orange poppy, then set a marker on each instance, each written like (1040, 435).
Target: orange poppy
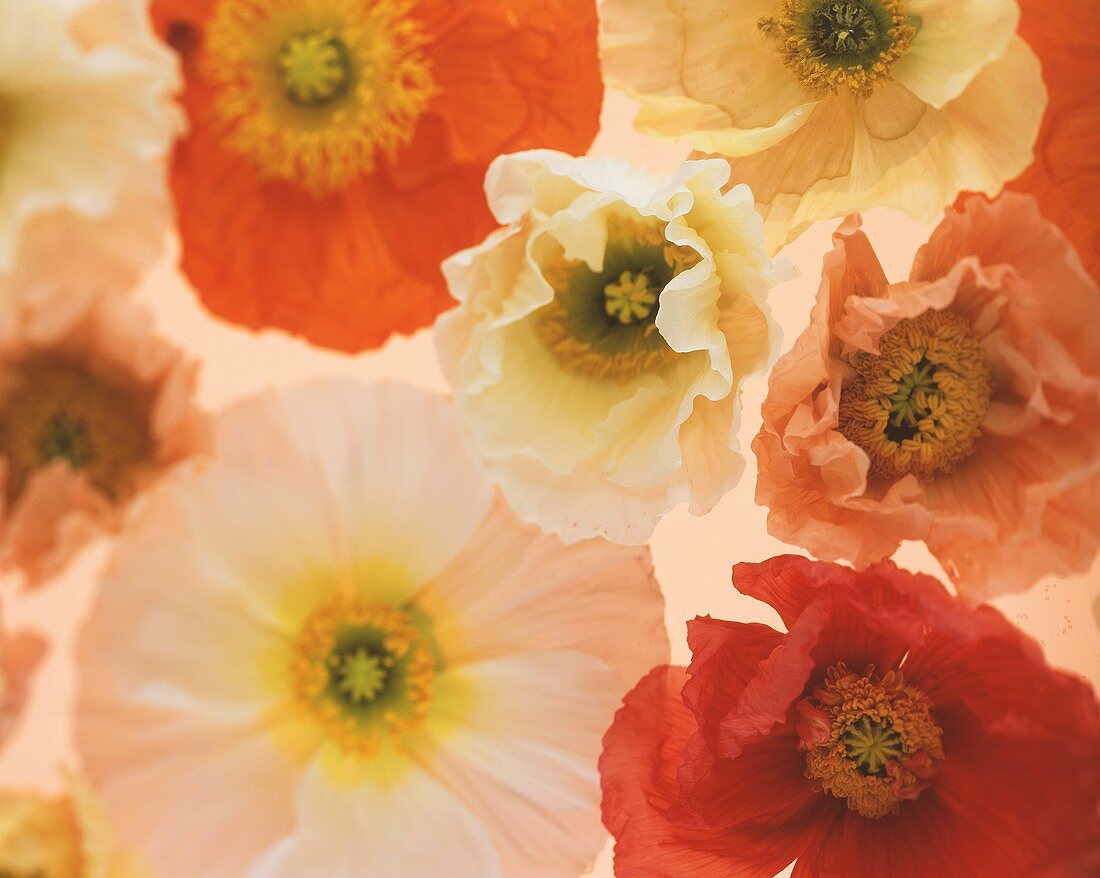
(338, 147)
(1065, 177)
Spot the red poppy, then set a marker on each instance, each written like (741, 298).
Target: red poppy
(337, 147)
(1065, 177)
(892, 731)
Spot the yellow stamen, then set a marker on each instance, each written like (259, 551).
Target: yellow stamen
(314, 91)
(834, 44)
(362, 669)
(57, 410)
(870, 740)
(917, 406)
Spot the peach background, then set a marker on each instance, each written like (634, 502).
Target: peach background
(693, 556)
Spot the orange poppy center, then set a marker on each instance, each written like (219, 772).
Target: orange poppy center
(58, 411)
(362, 670)
(834, 44)
(870, 740)
(917, 405)
(313, 92)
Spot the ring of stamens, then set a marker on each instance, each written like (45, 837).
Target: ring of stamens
(313, 92)
(603, 323)
(868, 739)
(917, 406)
(57, 410)
(834, 44)
(362, 670)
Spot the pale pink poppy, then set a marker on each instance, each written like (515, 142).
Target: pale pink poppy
(21, 653)
(331, 650)
(93, 408)
(961, 407)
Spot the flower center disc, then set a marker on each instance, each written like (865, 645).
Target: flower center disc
(870, 740)
(361, 670)
(917, 406)
(603, 323)
(58, 411)
(831, 44)
(312, 92)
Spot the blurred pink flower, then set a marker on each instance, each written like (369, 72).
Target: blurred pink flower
(93, 407)
(20, 655)
(961, 408)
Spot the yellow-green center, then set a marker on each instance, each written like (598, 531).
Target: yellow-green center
(315, 68)
(360, 676)
(870, 745)
(630, 298)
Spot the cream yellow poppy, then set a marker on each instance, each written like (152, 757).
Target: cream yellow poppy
(828, 107)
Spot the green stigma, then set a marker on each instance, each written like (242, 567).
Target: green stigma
(315, 68)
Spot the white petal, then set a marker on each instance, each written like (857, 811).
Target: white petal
(415, 827)
(515, 588)
(523, 758)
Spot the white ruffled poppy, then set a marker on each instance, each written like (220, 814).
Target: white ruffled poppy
(86, 122)
(331, 651)
(601, 339)
(830, 107)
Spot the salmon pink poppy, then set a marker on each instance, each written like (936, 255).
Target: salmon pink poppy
(338, 147)
(960, 407)
(892, 730)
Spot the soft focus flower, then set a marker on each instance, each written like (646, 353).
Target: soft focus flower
(891, 731)
(85, 125)
(826, 107)
(338, 147)
(961, 408)
(93, 407)
(331, 652)
(1066, 175)
(64, 837)
(20, 655)
(601, 339)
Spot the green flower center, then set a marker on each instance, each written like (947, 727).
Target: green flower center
(917, 405)
(630, 298)
(603, 323)
(360, 676)
(846, 30)
(835, 44)
(363, 671)
(315, 68)
(66, 438)
(870, 745)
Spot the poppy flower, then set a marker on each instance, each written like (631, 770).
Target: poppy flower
(94, 407)
(892, 730)
(332, 651)
(86, 122)
(1066, 175)
(960, 407)
(828, 107)
(602, 338)
(65, 836)
(338, 147)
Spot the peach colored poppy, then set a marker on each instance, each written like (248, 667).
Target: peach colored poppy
(332, 651)
(961, 407)
(93, 407)
(337, 147)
